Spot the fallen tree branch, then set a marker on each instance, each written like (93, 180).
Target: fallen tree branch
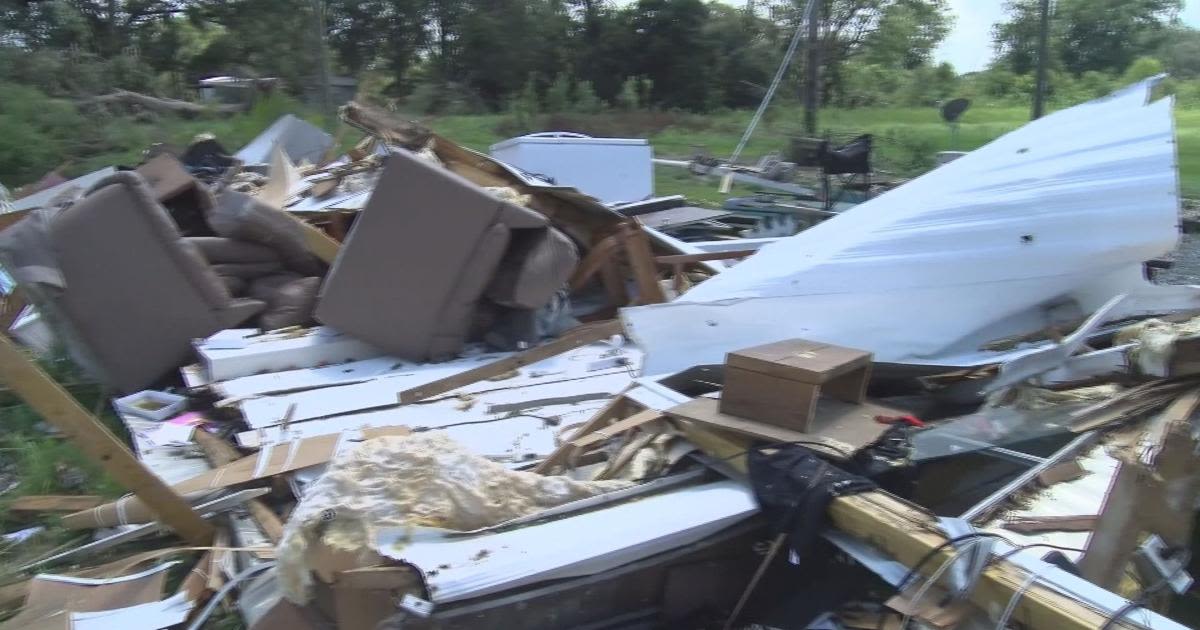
(163, 105)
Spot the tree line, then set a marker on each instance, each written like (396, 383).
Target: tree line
(458, 56)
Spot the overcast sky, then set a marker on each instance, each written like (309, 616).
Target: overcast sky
(969, 45)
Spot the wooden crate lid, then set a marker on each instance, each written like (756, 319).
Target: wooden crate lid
(800, 359)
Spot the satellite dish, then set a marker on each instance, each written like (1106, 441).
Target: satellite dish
(953, 110)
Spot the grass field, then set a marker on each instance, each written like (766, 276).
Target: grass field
(906, 138)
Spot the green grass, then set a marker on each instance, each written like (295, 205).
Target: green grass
(906, 138)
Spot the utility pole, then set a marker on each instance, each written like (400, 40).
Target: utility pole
(1039, 94)
(318, 7)
(812, 69)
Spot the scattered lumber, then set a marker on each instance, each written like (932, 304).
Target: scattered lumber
(580, 336)
(83, 429)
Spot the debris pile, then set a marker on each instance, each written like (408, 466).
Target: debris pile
(414, 386)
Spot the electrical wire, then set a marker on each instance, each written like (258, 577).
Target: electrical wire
(1146, 594)
(1011, 552)
(1016, 597)
(916, 568)
(933, 578)
(220, 595)
(809, 14)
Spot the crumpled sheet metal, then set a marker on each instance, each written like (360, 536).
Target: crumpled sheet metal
(1061, 211)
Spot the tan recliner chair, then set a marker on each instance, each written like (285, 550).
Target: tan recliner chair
(426, 250)
(124, 287)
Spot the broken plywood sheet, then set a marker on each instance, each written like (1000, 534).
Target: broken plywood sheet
(515, 435)
(383, 390)
(462, 567)
(844, 427)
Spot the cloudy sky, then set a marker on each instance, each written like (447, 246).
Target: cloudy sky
(969, 45)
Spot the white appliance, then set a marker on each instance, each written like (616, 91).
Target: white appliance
(609, 169)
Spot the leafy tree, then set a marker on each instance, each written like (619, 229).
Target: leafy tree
(849, 28)
(673, 51)
(586, 101)
(558, 95)
(907, 34)
(1180, 52)
(1142, 68)
(384, 34)
(1086, 35)
(1107, 35)
(1016, 39)
(745, 54)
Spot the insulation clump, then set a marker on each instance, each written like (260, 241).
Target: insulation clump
(421, 480)
(1156, 342)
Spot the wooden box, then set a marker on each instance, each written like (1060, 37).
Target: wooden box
(779, 383)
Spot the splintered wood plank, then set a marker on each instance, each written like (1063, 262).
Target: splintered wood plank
(597, 257)
(641, 261)
(615, 408)
(90, 436)
(53, 503)
(580, 336)
(616, 428)
(321, 245)
(908, 533)
(219, 453)
(679, 259)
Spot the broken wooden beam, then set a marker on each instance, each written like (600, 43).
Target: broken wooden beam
(616, 408)
(90, 436)
(908, 533)
(679, 259)
(53, 503)
(641, 261)
(219, 453)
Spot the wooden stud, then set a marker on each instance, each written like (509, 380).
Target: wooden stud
(615, 408)
(641, 261)
(907, 533)
(616, 428)
(680, 259)
(579, 336)
(318, 242)
(596, 259)
(53, 503)
(87, 433)
(614, 284)
(11, 307)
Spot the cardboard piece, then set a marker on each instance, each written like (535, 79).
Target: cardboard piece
(843, 427)
(273, 459)
(166, 176)
(366, 596)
